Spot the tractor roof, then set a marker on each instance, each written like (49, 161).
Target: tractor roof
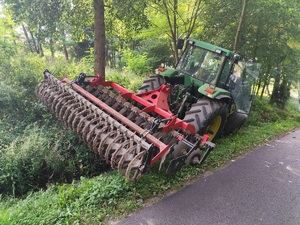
(211, 47)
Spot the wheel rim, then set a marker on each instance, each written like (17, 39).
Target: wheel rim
(214, 127)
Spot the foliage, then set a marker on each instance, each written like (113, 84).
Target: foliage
(36, 151)
(127, 79)
(109, 196)
(68, 204)
(267, 33)
(266, 36)
(263, 112)
(175, 19)
(135, 63)
(41, 155)
(158, 52)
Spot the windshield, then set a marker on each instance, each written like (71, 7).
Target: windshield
(201, 63)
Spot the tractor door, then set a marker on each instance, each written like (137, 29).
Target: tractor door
(241, 83)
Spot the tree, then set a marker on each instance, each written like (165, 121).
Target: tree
(237, 41)
(41, 22)
(176, 19)
(99, 45)
(128, 13)
(265, 34)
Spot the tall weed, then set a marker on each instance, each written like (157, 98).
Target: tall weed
(34, 149)
(43, 155)
(127, 79)
(263, 112)
(135, 62)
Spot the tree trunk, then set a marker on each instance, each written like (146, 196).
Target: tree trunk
(194, 17)
(52, 48)
(172, 22)
(175, 31)
(276, 87)
(34, 42)
(27, 38)
(258, 86)
(265, 82)
(41, 50)
(284, 92)
(65, 51)
(237, 41)
(258, 31)
(99, 45)
(299, 96)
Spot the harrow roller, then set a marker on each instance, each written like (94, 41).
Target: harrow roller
(113, 125)
(91, 124)
(113, 146)
(118, 153)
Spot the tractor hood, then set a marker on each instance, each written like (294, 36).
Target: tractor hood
(213, 93)
(169, 72)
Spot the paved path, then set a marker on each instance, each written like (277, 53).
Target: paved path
(262, 188)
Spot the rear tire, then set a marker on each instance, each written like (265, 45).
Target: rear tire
(152, 83)
(208, 116)
(234, 122)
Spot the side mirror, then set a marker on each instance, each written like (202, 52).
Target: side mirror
(180, 44)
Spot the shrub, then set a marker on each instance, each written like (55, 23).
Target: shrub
(41, 155)
(10, 97)
(127, 79)
(136, 63)
(263, 112)
(34, 149)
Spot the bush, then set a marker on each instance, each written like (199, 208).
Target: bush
(130, 81)
(42, 155)
(263, 112)
(136, 63)
(159, 52)
(34, 149)
(10, 97)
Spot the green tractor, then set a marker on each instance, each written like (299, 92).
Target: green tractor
(212, 88)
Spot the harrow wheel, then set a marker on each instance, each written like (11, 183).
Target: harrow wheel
(118, 153)
(112, 147)
(108, 139)
(133, 171)
(126, 159)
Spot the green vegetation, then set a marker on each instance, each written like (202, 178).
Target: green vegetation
(37, 150)
(140, 35)
(108, 195)
(47, 174)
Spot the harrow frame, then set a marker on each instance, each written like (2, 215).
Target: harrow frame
(152, 147)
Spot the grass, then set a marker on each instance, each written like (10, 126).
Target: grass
(105, 197)
(109, 197)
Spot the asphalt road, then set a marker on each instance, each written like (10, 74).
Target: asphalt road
(262, 188)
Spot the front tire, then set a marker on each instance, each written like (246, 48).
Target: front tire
(154, 82)
(208, 116)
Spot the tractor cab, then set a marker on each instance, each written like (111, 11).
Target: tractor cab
(207, 63)
(201, 63)
(218, 73)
